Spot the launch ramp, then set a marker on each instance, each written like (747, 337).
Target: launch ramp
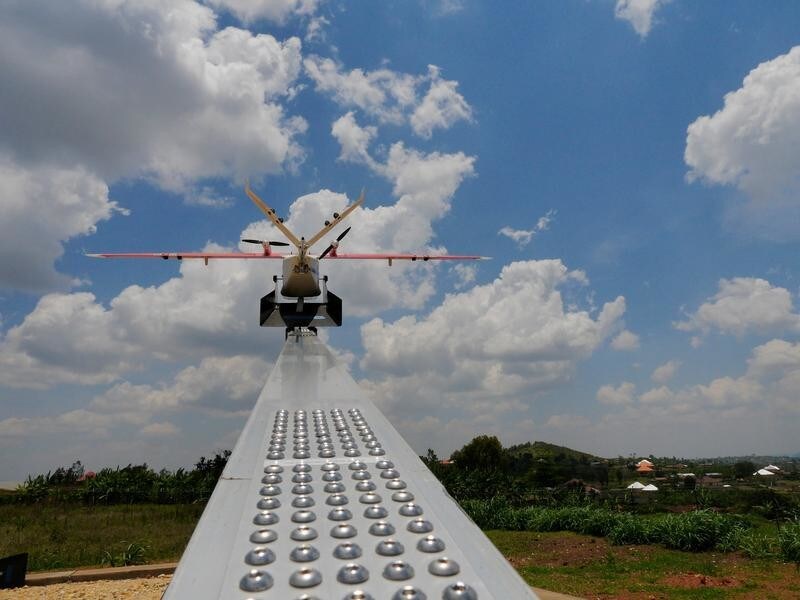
(323, 499)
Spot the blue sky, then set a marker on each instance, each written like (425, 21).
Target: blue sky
(630, 167)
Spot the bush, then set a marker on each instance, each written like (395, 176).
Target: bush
(757, 545)
(694, 531)
(789, 542)
(631, 530)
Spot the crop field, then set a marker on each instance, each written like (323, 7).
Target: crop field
(591, 567)
(65, 536)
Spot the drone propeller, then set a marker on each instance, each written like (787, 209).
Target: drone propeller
(262, 242)
(335, 244)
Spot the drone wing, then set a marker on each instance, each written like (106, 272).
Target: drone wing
(206, 256)
(337, 218)
(412, 257)
(271, 216)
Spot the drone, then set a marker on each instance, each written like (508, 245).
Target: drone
(300, 298)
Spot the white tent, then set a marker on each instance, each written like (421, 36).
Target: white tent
(636, 486)
(650, 488)
(772, 468)
(763, 472)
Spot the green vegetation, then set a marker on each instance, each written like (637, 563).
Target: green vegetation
(542, 487)
(122, 516)
(132, 484)
(59, 536)
(589, 567)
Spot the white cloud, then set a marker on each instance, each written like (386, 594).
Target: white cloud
(160, 430)
(466, 274)
(521, 340)
(39, 209)
(98, 91)
(639, 13)
(212, 310)
(744, 305)
(750, 143)
(224, 384)
(663, 373)
(353, 139)
(625, 341)
(391, 97)
(383, 94)
(766, 392)
(134, 88)
(613, 396)
(441, 107)
(85, 422)
(523, 237)
(67, 338)
(274, 10)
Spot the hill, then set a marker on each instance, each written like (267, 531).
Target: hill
(552, 452)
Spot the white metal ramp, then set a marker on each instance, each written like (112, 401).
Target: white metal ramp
(322, 499)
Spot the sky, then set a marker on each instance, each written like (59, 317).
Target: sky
(630, 166)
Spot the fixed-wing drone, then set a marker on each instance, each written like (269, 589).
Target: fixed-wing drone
(302, 299)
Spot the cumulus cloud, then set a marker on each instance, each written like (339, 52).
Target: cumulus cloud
(129, 88)
(226, 384)
(466, 275)
(39, 209)
(73, 338)
(639, 13)
(383, 93)
(81, 421)
(218, 385)
(392, 97)
(274, 10)
(621, 395)
(67, 338)
(212, 310)
(521, 339)
(750, 144)
(353, 139)
(98, 91)
(441, 107)
(625, 341)
(744, 305)
(769, 384)
(663, 373)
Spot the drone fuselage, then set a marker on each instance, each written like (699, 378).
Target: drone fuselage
(301, 276)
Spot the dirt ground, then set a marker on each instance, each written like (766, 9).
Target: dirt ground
(141, 589)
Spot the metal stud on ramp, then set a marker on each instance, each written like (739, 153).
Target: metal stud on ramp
(322, 498)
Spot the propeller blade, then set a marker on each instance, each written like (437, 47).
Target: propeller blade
(338, 239)
(249, 241)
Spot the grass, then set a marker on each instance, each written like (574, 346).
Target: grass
(585, 566)
(72, 536)
(66, 536)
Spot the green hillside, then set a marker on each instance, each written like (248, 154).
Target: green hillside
(552, 452)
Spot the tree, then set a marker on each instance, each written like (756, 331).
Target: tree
(743, 468)
(484, 453)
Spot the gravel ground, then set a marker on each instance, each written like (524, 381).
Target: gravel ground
(145, 589)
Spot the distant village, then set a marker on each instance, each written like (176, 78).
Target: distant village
(672, 474)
